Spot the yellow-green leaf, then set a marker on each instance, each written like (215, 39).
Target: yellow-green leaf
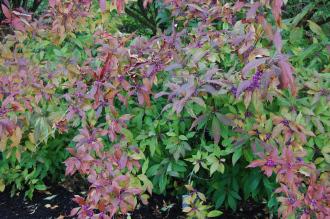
(214, 213)
(2, 186)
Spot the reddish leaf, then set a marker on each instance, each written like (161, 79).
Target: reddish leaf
(256, 163)
(146, 99)
(120, 5)
(276, 10)
(74, 211)
(266, 26)
(52, 3)
(6, 11)
(105, 67)
(286, 77)
(146, 2)
(140, 98)
(78, 199)
(17, 24)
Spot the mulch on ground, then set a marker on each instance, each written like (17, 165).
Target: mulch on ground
(56, 203)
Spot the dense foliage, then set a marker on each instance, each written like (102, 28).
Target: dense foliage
(212, 91)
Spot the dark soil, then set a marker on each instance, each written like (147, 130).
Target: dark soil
(159, 207)
(56, 203)
(170, 208)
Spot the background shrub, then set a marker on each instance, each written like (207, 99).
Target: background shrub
(209, 92)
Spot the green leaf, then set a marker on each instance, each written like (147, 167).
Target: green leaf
(199, 101)
(145, 166)
(257, 103)
(191, 134)
(213, 168)
(162, 183)
(2, 186)
(315, 28)
(308, 51)
(128, 135)
(221, 168)
(153, 142)
(302, 14)
(152, 171)
(220, 198)
(235, 195)
(183, 138)
(40, 187)
(237, 154)
(171, 134)
(232, 202)
(214, 213)
(57, 52)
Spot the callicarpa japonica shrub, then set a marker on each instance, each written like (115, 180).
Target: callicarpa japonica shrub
(219, 101)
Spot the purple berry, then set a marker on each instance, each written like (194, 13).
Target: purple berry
(233, 90)
(270, 163)
(285, 122)
(291, 200)
(248, 114)
(314, 203)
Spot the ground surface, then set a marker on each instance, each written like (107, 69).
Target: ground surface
(45, 205)
(57, 203)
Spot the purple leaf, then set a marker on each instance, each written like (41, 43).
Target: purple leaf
(216, 130)
(251, 14)
(198, 120)
(103, 5)
(242, 87)
(122, 161)
(178, 105)
(209, 74)
(237, 40)
(225, 120)
(253, 64)
(198, 55)
(173, 66)
(278, 41)
(238, 5)
(208, 88)
(160, 94)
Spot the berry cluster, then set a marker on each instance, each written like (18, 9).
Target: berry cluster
(255, 81)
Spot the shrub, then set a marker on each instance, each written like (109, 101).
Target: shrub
(198, 107)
